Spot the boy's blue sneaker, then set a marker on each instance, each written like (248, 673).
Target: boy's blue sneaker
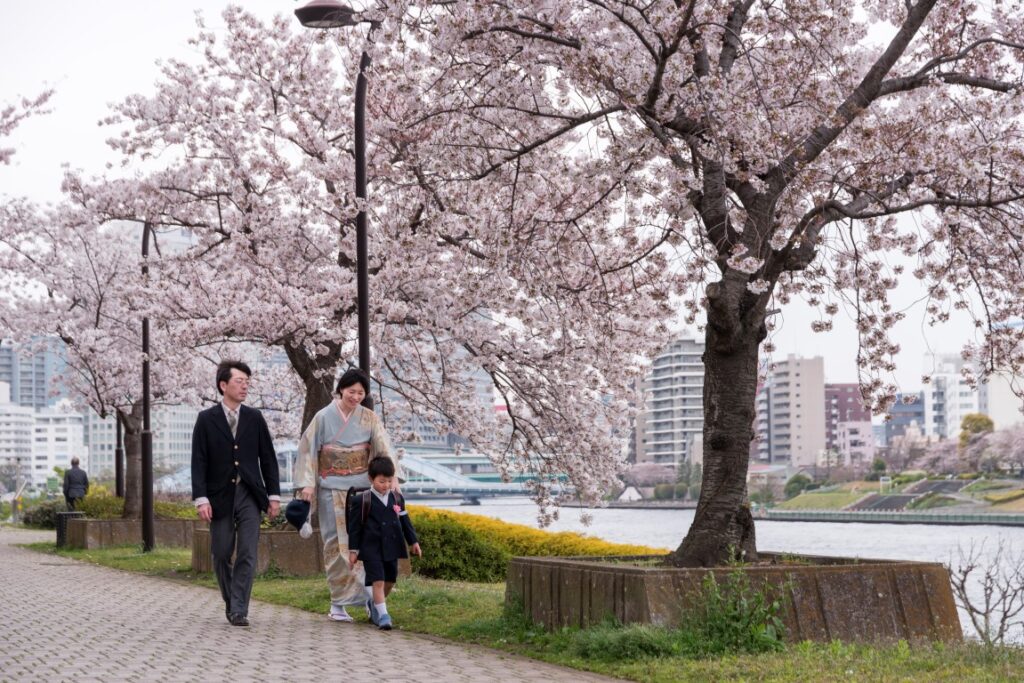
(384, 623)
(371, 612)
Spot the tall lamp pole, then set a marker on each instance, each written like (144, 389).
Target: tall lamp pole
(118, 456)
(326, 14)
(148, 532)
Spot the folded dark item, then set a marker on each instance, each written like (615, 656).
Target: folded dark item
(297, 514)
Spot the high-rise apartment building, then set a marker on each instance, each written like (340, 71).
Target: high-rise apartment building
(16, 428)
(672, 415)
(948, 397)
(58, 436)
(843, 403)
(790, 422)
(31, 371)
(172, 439)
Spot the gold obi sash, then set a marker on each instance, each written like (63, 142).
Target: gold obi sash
(343, 461)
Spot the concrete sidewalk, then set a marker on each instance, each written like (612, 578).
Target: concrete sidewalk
(64, 620)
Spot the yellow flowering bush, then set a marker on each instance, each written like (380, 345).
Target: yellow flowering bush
(521, 540)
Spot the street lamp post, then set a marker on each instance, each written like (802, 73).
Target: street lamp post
(148, 532)
(118, 456)
(326, 14)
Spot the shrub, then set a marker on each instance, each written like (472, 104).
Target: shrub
(455, 553)
(43, 514)
(663, 491)
(796, 485)
(101, 506)
(519, 539)
(104, 506)
(681, 490)
(734, 617)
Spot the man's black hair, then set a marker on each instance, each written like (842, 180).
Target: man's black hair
(224, 371)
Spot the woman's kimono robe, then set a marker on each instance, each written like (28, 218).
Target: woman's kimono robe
(361, 434)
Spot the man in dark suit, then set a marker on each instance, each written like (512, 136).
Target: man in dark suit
(234, 478)
(76, 484)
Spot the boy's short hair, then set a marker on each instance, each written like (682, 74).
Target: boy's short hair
(381, 466)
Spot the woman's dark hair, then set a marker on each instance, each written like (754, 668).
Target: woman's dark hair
(224, 371)
(353, 376)
(381, 465)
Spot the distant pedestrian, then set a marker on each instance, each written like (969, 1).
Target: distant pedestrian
(234, 477)
(76, 484)
(377, 535)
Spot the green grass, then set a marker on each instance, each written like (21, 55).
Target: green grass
(834, 500)
(476, 613)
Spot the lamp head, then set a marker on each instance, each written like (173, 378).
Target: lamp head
(326, 14)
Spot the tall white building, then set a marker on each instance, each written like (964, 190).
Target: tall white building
(172, 439)
(790, 422)
(948, 398)
(58, 436)
(16, 429)
(672, 415)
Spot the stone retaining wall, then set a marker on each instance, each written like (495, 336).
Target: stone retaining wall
(104, 533)
(864, 601)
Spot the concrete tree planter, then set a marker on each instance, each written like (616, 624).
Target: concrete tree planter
(104, 533)
(867, 601)
(285, 550)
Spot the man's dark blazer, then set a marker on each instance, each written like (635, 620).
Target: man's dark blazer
(218, 460)
(383, 534)
(76, 483)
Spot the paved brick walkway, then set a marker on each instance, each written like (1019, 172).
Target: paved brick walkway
(62, 620)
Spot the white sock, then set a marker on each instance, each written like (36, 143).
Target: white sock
(369, 592)
(382, 608)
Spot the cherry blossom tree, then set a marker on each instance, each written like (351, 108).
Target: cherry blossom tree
(12, 115)
(250, 149)
(68, 278)
(766, 150)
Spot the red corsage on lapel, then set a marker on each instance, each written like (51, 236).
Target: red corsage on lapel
(397, 509)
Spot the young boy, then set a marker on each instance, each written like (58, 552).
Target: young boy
(377, 537)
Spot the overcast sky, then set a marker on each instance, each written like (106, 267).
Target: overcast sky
(95, 53)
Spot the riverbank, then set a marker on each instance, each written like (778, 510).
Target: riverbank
(873, 517)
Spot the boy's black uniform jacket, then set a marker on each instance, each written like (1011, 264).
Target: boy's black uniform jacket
(383, 534)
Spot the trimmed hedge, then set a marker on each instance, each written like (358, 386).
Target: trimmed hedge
(455, 553)
(1005, 496)
(494, 536)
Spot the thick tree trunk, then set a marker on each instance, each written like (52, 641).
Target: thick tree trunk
(318, 377)
(133, 462)
(723, 528)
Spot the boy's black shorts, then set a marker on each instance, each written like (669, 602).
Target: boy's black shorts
(381, 570)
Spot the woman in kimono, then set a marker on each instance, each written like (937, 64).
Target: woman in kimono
(334, 453)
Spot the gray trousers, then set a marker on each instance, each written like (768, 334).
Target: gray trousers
(236, 534)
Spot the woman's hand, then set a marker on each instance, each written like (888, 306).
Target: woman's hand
(306, 494)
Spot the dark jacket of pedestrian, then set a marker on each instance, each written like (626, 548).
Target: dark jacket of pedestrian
(76, 483)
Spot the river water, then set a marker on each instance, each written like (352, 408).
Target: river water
(666, 528)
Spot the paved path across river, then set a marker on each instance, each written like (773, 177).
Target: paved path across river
(64, 620)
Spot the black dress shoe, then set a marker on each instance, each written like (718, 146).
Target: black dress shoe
(238, 620)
